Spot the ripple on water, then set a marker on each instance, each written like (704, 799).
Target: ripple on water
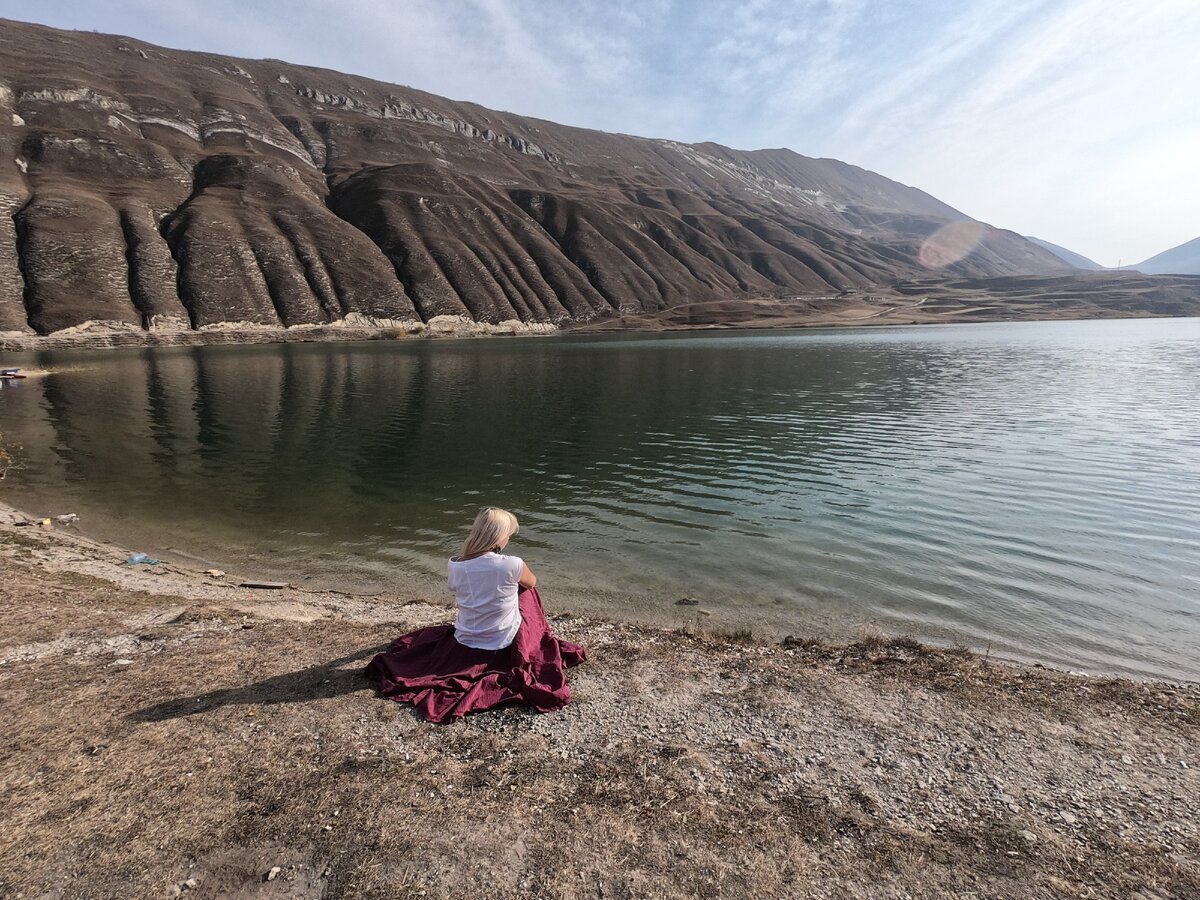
(1026, 487)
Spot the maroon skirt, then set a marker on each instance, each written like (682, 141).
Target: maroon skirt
(445, 680)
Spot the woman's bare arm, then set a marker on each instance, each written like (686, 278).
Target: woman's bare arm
(527, 579)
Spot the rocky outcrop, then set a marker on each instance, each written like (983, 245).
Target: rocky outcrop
(149, 189)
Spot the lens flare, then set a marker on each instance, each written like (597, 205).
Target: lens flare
(950, 243)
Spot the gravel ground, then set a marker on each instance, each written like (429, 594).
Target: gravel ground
(171, 735)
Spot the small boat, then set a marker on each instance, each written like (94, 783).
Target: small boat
(12, 373)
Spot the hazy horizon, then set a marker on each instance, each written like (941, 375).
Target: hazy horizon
(1071, 121)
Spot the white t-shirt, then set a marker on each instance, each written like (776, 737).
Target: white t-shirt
(486, 591)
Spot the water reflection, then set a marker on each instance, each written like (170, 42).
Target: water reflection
(1028, 486)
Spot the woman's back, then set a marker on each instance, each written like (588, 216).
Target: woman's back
(485, 588)
(448, 671)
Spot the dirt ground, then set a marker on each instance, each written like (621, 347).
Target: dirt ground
(166, 734)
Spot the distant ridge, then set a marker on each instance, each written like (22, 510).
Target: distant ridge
(144, 189)
(1181, 260)
(1078, 260)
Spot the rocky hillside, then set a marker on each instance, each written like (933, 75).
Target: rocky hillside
(1078, 260)
(146, 188)
(1181, 260)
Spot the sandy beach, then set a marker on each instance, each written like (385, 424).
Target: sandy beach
(173, 734)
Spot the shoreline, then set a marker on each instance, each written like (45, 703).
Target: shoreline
(760, 624)
(103, 336)
(170, 734)
(753, 314)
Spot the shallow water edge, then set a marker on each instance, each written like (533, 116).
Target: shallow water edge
(1024, 487)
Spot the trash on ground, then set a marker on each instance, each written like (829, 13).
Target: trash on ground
(137, 559)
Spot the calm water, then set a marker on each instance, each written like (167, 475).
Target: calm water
(1030, 487)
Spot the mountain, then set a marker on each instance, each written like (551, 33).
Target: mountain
(1181, 260)
(1077, 260)
(147, 188)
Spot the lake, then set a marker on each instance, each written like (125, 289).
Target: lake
(1028, 488)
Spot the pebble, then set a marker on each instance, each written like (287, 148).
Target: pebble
(1028, 837)
(190, 883)
(1067, 817)
(274, 873)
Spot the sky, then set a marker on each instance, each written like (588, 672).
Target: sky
(1076, 121)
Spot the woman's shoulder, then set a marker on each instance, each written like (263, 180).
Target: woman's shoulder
(512, 566)
(491, 558)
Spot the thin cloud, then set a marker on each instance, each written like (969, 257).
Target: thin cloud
(1061, 105)
(1038, 115)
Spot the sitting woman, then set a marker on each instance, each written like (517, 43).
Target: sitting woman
(500, 648)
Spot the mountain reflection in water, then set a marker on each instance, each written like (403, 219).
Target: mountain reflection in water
(1029, 486)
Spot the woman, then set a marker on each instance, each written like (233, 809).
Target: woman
(500, 648)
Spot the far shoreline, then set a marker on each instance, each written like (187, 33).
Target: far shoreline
(337, 335)
(885, 308)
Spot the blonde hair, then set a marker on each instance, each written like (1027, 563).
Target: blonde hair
(491, 526)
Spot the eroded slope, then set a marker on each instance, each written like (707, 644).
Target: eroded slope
(159, 189)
